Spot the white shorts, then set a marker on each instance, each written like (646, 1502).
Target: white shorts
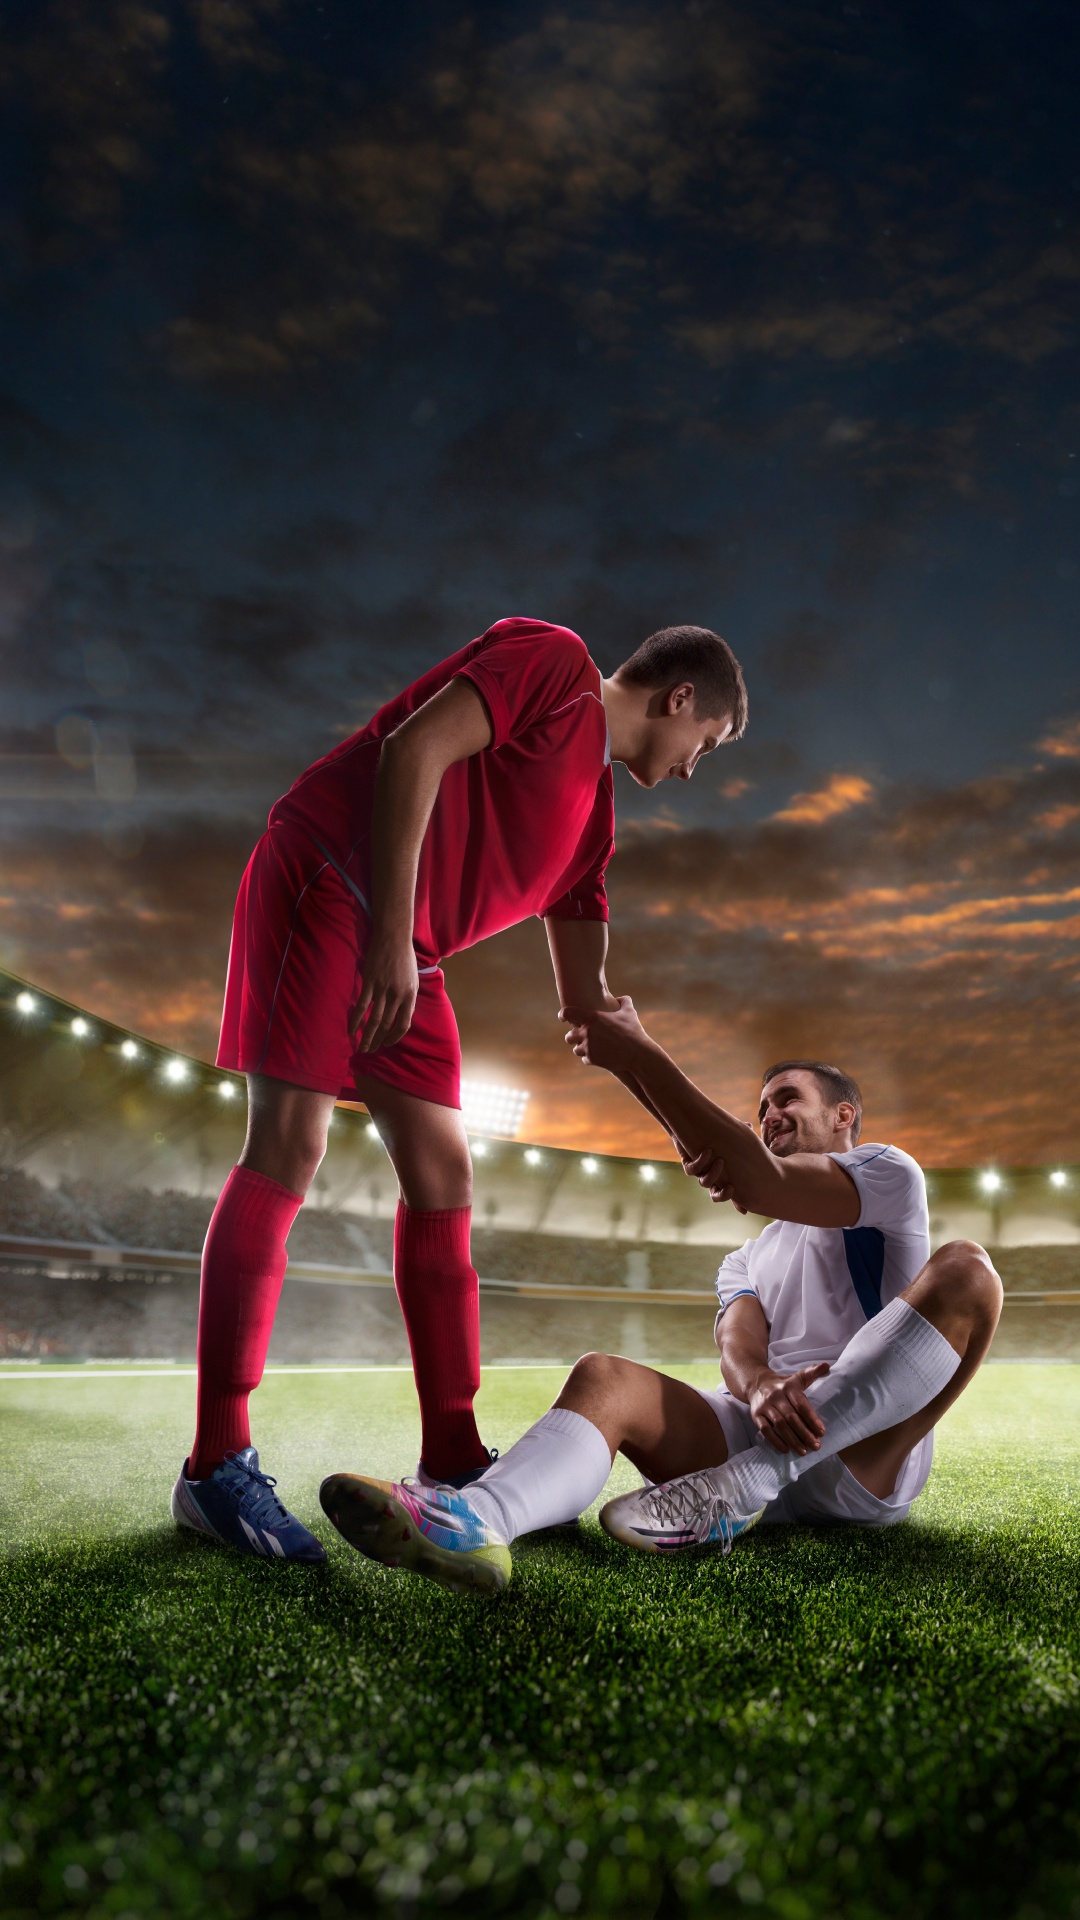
(824, 1494)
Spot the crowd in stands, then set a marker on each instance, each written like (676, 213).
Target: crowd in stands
(172, 1221)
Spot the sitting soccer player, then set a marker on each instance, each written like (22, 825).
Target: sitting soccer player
(842, 1342)
(481, 795)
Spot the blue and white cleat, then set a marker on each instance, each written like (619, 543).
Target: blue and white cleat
(693, 1511)
(237, 1506)
(428, 1530)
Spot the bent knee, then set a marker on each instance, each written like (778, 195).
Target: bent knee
(964, 1269)
(595, 1373)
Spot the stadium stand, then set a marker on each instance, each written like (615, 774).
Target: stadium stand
(112, 1151)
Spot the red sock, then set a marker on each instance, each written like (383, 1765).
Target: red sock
(243, 1266)
(440, 1301)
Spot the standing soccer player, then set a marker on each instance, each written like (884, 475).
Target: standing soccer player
(478, 797)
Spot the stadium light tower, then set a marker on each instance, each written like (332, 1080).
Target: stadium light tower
(486, 1108)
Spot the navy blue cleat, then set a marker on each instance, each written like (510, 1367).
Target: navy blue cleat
(237, 1506)
(457, 1480)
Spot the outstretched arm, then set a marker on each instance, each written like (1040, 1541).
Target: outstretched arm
(579, 957)
(452, 726)
(808, 1187)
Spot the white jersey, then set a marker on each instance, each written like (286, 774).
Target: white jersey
(818, 1285)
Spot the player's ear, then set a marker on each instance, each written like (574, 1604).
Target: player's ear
(845, 1116)
(678, 698)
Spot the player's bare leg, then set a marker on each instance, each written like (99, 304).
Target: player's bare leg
(427, 1144)
(436, 1281)
(664, 1427)
(286, 1131)
(960, 1294)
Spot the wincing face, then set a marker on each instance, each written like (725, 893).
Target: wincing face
(674, 740)
(794, 1116)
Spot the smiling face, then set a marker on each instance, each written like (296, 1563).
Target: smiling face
(673, 738)
(796, 1117)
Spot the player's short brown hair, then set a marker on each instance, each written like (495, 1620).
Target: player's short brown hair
(700, 656)
(835, 1085)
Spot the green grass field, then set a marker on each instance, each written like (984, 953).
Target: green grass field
(827, 1723)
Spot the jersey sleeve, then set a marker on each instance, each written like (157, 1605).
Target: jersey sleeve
(891, 1187)
(586, 897)
(523, 670)
(733, 1279)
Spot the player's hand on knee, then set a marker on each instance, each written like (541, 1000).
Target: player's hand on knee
(782, 1413)
(388, 1001)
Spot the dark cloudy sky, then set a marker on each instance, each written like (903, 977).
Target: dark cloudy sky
(332, 333)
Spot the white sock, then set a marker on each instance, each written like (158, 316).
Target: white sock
(892, 1368)
(551, 1474)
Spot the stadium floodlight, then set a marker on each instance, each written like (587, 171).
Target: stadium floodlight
(990, 1182)
(129, 1050)
(1058, 1178)
(533, 1157)
(226, 1090)
(589, 1165)
(25, 1003)
(486, 1108)
(176, 1071)
(479, 1149)
(647, 1172)
(372, 1131)
(80, 1028)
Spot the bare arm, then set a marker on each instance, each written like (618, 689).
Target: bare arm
(579, 957)
(452, 726)
(811, 1188)
(777, 1401)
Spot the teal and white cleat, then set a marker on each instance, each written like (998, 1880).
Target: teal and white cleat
(693, 1511)
(428, 1530)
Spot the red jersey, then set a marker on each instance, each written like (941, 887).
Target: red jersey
(524, 827)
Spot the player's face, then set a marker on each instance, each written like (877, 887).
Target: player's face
(675, 743)
(793, 1117)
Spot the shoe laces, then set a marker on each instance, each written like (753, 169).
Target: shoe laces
(692, 1505)
(258, 1501)
(439, 1508)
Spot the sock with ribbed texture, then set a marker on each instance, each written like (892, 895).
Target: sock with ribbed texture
(550, 1475)
(892, 1368)
(243, 1265)
(440, 1302)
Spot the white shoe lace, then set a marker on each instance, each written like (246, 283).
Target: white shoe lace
(691, 1505)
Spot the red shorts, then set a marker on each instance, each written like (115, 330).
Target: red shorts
(296, 973)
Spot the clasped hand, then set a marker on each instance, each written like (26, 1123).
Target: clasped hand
(391, 983)
(709, 1169)
(608, 1040)
(781, 1411)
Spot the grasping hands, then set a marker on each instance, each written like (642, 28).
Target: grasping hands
(612, 1040)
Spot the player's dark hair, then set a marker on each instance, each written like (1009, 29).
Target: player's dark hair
(700, 656)
(835, 1085)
